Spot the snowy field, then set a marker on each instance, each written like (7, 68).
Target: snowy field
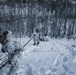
(54, 57)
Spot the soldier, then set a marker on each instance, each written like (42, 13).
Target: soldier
(36, 37)
(13, 48)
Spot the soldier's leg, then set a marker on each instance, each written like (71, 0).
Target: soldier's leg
(12, 63)
(6, 69)
(1, 71)
(38, 41)
(34, 41)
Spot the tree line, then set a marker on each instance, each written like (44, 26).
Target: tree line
(57, 18)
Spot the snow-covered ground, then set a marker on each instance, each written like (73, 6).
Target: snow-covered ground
(54, 57)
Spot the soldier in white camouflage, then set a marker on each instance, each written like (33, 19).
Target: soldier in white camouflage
(36, 37)
(12, 47)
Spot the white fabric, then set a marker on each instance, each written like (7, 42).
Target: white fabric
(10, 46)
(9, 35)
(36, 37)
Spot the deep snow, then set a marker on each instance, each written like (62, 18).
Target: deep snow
(54, 57)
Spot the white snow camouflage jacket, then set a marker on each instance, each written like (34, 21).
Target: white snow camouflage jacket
(10, 45)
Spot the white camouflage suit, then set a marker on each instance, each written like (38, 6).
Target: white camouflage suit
(13, 48)
(36, 38)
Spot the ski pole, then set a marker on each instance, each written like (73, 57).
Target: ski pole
(28, 42)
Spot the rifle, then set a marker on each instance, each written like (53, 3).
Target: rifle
(28, 41)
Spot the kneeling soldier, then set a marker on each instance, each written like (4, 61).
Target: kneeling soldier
(13, 48)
